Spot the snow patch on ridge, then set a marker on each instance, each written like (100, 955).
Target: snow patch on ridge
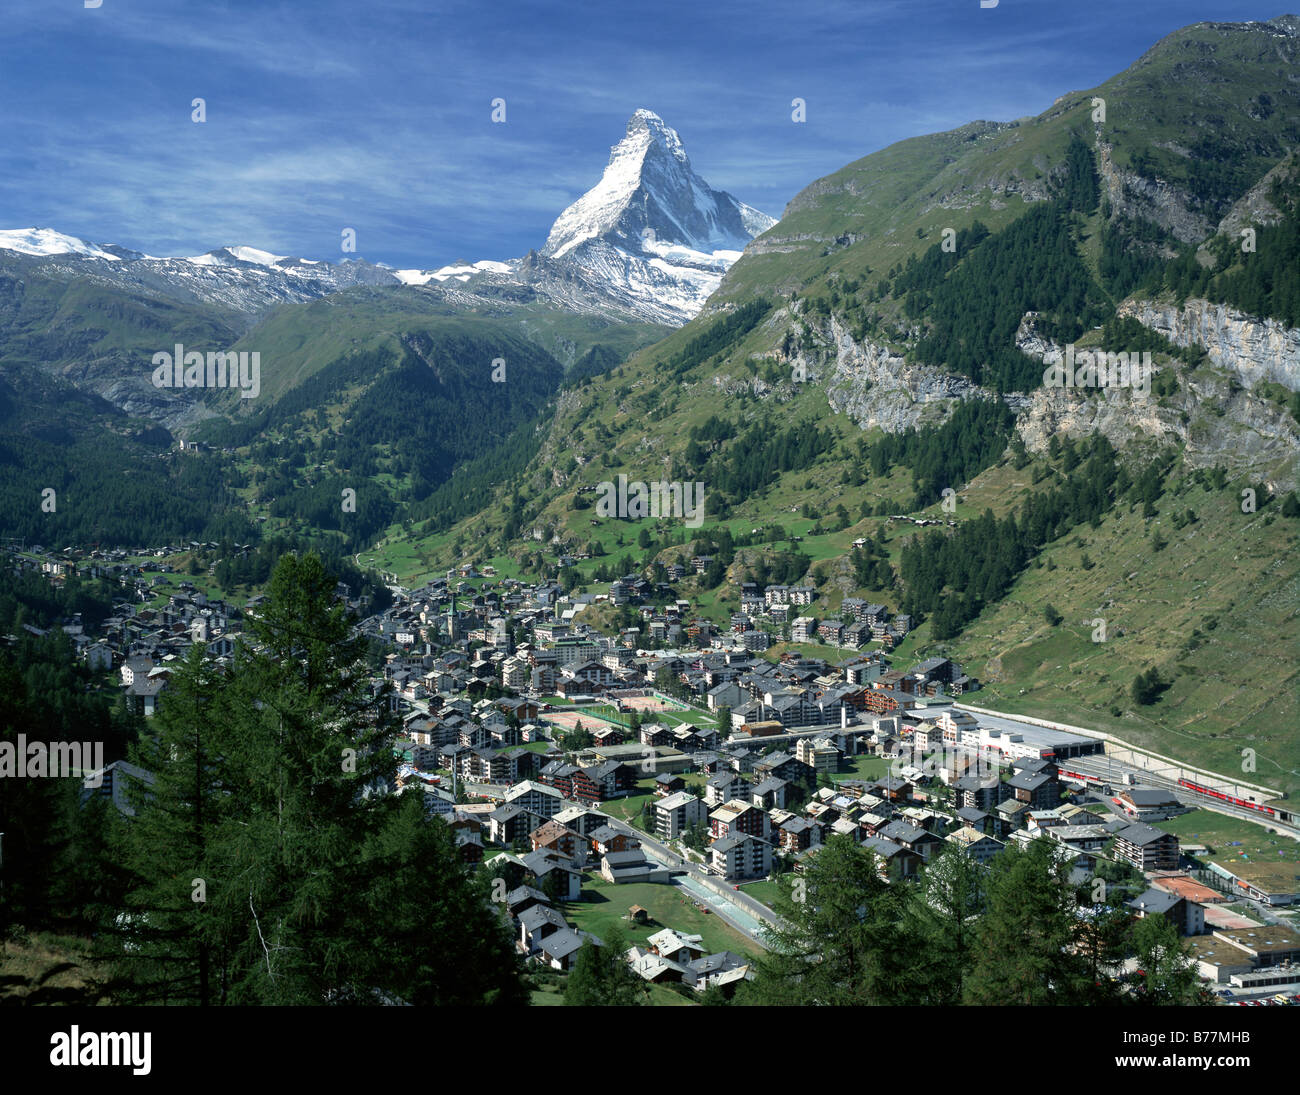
(46, 241)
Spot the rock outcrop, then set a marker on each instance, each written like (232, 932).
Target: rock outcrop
(1255, 349)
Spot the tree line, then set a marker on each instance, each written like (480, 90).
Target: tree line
(267, 862)
(951, 576)
(1015, 933)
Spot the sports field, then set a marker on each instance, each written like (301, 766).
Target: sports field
(590, 717)
(651, 703)
(668, 712)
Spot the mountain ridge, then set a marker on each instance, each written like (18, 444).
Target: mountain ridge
(649, 242)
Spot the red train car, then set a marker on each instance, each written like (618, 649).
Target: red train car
(1245, 804)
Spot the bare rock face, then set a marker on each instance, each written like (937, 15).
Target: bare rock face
(1255, 209)
(1212, 412)
(1121, 414)
(1153, 200)
(139, 398)
(1254, 349)
(876, 386)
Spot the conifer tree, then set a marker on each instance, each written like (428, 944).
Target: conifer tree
(601, 976)
(174, 950)
(1168, 972)
(309, 753)
(843, 939)
(318, 886)
(943, 918)
(1023, 950)
(426, 928)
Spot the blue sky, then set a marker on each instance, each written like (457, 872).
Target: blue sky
(376, 114)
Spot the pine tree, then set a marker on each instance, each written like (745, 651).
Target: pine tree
(426, 926)
(30, 811)
(309, 749)
(842, 939)
(1169, 974)
(584, 986)
(1102, 941)
(174, 950)
(319, 887)
(943, 919)
(1023, 954)
(601, 976)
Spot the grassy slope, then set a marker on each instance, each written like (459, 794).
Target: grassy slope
(1199, 76)
(1232, 575)
(298, 339)
(56, 967)
(1227, 838)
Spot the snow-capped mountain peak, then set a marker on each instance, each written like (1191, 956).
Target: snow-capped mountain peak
(650, 193)
(46, 241)
(223, 256)
(652, 233)
(651, 240)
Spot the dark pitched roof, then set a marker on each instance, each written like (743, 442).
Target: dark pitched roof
(1141, 835)
(1154, 902)
(717, 963)
(632, 858)
(902, 832)
(1149, 796)
(535, 916)
(520, 894)
(726, 843)
(565, 941)
(886, 849)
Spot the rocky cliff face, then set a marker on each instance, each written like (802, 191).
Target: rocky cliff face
(874, 385)
(1256, 209)
(1253, 349)
(1212, 413)
(1122, 414)
(1154, 200)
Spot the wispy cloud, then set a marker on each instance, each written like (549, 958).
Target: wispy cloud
(376, 116)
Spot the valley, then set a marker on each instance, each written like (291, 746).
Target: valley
(924, 560)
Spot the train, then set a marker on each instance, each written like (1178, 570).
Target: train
(1187, 785)
(1245, 804)
(1080, 777)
